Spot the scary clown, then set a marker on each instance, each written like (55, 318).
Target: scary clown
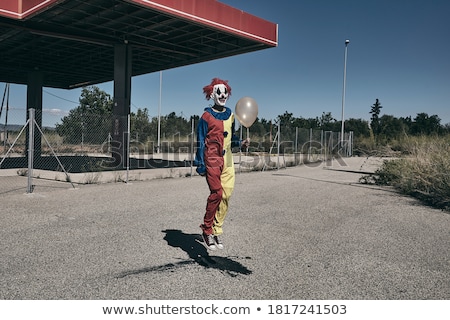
(214, 159)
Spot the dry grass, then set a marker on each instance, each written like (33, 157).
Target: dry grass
(423, 171)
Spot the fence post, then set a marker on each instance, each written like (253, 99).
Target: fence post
(128, 145)
(310, 143)
(30, 150)
(322, 149)
(192, 146)
(350, 142)
(279, 142)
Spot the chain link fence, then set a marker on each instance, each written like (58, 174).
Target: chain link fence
(82, 148)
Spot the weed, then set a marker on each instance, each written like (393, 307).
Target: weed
(423, 171)
(92, 177)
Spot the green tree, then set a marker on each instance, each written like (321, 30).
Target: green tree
(258, 129)
(310, 123)
(390, 127)
(90, 122)
(327, 122)
(446, 128)
(375, 119)
(172, 126)
(407, 124)
(287, 119)
(424, 124)
(287, 126)
(359, 127)
(140, 125)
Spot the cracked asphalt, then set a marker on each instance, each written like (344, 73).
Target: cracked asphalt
(305, 232)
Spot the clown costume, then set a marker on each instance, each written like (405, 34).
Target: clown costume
(214, 159)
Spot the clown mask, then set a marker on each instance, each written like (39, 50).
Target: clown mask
(220, 95)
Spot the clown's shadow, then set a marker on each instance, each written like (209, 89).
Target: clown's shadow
(197, 255)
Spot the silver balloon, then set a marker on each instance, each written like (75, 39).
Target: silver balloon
(246, 111)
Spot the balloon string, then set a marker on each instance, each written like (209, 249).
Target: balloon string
(240, 149)
(248, 137)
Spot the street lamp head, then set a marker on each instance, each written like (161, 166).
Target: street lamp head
(347, 41)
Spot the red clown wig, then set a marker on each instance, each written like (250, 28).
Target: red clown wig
(208, 90)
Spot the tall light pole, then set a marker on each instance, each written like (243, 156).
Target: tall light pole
(343, 92)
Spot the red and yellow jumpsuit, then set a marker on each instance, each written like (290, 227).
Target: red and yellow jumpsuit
(214, 158)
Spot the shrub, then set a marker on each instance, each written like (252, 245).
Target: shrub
(423, 172)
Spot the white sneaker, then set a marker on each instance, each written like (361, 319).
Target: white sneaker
(208, 241)
(218, 242)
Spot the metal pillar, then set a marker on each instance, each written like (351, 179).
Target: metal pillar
(30, 138)
(34, 101)
(122, 101)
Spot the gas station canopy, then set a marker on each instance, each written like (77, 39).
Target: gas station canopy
(72, 41)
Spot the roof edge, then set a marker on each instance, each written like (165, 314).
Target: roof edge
(22, 9)
(218, 15)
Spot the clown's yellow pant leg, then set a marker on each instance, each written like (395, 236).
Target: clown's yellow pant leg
(227, 179)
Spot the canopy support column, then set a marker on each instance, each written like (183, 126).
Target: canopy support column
(122, 101)
(34, 101)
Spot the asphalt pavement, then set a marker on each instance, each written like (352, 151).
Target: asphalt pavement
(307, 232)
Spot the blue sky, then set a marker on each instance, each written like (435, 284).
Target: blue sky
(398, 53)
